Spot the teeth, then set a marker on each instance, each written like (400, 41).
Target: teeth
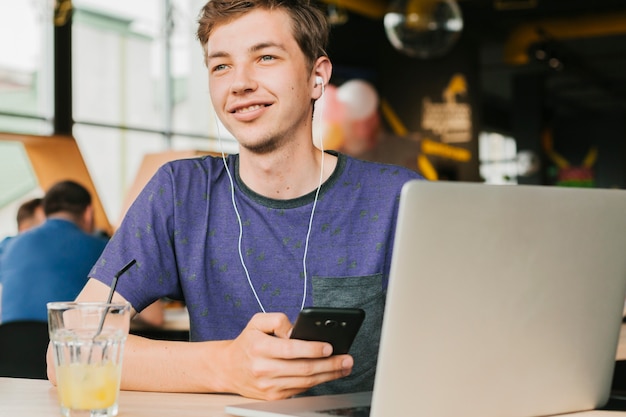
(250, 108)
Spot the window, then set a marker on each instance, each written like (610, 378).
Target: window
(139, 84)
(17, 183)
(498, 158)
(26, 83)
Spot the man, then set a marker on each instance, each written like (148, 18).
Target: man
(50, 262)
(29, 214)
(248, 240)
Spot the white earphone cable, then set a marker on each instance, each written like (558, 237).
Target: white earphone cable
(310, 226)
(317, 192)
(232, 196)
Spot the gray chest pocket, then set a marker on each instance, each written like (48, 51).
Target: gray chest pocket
(363, 292)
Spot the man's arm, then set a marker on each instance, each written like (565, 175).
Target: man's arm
(262, 362)
(153, 315)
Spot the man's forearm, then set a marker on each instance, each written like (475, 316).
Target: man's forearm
(171, 366)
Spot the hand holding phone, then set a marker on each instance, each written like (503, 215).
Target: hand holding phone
(337, 326)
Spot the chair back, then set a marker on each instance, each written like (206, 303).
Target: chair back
(23, 346)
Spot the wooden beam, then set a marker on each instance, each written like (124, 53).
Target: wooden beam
(56, 158)
(526, 34)
(375, 9)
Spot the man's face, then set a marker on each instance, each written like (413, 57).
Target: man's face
(259, 82)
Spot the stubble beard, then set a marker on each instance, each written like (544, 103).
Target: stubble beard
(269, 141)
(264, 146)
(266, 143)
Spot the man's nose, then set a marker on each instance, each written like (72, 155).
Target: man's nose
(243, 81)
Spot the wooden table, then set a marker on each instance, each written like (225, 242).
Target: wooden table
(38, 398)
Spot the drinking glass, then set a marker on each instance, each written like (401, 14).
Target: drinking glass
(88, 346)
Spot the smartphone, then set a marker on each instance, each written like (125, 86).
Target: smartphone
(337, 326)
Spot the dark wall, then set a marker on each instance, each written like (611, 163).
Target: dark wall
(360, 49)
(574, 136)
(406, 82)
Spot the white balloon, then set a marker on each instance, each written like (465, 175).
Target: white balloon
(359, 98)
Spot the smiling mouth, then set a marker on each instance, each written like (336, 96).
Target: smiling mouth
(250, 108)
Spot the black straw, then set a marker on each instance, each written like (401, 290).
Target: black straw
(104, 314)
(111, 291)
(114, 282)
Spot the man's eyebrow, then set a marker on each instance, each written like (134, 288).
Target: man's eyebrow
(254, 48)
(262, 45)
(217, 54)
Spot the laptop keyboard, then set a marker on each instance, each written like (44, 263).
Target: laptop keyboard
(349, 411)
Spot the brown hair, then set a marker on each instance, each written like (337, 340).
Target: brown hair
(309, 25)
(26, 211)
(66, 196)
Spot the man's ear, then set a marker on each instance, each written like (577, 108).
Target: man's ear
(88, 219)
(321, 70)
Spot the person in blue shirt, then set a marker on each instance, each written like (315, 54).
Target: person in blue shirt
(50, 262)
(29, 214)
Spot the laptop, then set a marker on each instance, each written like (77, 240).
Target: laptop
(503, 301)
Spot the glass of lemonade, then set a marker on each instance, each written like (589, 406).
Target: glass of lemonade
(88, 345)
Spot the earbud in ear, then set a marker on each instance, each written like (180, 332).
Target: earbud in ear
(319, 80)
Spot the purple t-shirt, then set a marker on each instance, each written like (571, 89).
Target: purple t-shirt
(183, 231)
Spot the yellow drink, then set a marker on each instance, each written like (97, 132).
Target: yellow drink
(88, 386)
(88, 341)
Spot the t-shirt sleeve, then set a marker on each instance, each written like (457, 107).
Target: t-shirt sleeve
(146, 235)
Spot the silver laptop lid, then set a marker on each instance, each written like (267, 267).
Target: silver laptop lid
(503, 301)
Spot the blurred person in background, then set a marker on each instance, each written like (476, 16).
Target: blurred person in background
(50, 262)
(29, 214)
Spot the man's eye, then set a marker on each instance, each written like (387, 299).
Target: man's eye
(267, 58)
(219, 67)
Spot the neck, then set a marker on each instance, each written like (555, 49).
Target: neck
(285, 174)
(79, 221)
